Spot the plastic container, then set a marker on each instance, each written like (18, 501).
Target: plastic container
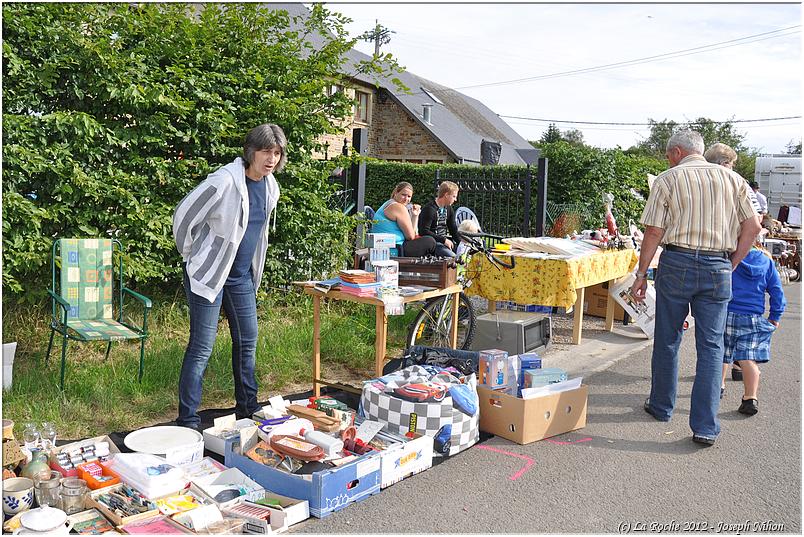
(9, 349)
(331, 445)
(96, 476)
(151, 475)
(291, 427)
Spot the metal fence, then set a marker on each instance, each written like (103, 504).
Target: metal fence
(504, 201)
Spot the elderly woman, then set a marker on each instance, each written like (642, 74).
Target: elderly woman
(221, 231)
(393, 217)
(726, 156)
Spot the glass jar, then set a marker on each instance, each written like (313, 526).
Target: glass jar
(47, 490)
(30, 435)
(73, 495)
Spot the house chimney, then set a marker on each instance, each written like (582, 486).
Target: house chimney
(426, 113)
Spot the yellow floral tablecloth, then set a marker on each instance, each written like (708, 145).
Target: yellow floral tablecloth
(547, 282)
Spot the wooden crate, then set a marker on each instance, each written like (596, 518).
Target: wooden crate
(422, 271)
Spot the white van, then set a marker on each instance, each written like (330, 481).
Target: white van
(779, 178)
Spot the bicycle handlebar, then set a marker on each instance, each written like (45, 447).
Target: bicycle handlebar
(478, 247)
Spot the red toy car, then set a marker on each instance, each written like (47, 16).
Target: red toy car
(423, 392)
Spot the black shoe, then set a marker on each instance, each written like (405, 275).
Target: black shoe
(194, 426)
(749, 407)
(647, 408)
(703, 440)
(736, 374)
(722, 392)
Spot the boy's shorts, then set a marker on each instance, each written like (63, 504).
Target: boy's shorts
(747, 337)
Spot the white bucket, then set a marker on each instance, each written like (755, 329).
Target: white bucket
(9, 349)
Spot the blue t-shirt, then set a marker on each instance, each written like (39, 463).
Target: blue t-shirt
(241, 268)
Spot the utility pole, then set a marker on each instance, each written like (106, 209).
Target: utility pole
(380, 35)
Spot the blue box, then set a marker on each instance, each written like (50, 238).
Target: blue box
(528, 360)
(326, 491)
(542, 377)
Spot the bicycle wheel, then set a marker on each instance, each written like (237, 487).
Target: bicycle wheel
(432, 325)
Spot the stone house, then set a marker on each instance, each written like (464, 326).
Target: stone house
(430, 123)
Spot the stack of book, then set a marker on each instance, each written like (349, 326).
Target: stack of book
(360, 289)
(356, 276)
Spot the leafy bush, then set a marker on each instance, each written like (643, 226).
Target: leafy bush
(576, 174)
(113, 112)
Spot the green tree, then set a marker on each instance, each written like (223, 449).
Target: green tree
(573, 136)
(711, 131)
(113, 112)
(792, 148)
(552, 134)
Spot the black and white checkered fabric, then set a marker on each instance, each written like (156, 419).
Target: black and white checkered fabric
(425, 418)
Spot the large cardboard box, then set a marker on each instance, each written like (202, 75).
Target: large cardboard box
(596, 298)
(526, 420)
(326, 491)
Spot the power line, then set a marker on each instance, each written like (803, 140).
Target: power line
(679, 53)
(640, 124)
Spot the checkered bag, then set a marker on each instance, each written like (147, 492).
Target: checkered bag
(428, 418)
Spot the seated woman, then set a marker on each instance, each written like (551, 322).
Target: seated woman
(393, 217)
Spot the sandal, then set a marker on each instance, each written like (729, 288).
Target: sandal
(749, 407)
(722, 392)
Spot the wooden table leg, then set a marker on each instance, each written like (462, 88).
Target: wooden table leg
(381, 328)
(577, 318)
(453, 332)
(610, 305)
(316, 345)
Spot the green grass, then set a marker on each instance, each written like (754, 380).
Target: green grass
(104, 396)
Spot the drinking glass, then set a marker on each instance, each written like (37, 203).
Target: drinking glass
(48, 433)
(30, 435)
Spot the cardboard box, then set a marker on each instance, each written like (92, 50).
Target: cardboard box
(116, 519)
(212, 439)
(386, 272)
(380, 240)
(73, 472)
(208, 486)
(526, 420)
(596, 298)
(288, 512)
(326, 491)
(404, 459)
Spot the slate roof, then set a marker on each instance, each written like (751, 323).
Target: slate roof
(458, 122)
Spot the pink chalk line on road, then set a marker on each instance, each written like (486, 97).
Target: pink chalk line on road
(517, 475)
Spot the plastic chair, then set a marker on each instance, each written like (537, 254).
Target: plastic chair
(464, 213)
(87, 297)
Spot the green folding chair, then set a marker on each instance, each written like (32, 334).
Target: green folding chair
(87, 299)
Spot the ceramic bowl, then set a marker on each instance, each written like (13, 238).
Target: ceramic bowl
(18, 494)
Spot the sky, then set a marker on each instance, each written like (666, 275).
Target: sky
(721, 75)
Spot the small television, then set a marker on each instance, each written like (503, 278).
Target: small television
(512, 331)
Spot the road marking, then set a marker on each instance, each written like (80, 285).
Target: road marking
(517, 475)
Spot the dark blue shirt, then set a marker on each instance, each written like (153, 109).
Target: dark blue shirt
(241, 268)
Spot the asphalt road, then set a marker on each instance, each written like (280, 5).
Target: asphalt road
(624, 472)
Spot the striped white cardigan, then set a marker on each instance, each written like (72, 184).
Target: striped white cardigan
(209, 223)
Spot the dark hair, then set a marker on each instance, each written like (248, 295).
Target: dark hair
(265, 136)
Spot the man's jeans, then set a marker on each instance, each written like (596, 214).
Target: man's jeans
(240, 305)
(704, 284)
(442, 250)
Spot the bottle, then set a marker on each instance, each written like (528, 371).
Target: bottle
(332, 446)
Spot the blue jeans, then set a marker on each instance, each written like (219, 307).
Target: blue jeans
(442, 250)
(702, 283)
(240, 305)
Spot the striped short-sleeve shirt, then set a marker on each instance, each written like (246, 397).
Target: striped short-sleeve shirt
(699, 205)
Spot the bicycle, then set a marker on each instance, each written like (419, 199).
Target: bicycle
(432, 326)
